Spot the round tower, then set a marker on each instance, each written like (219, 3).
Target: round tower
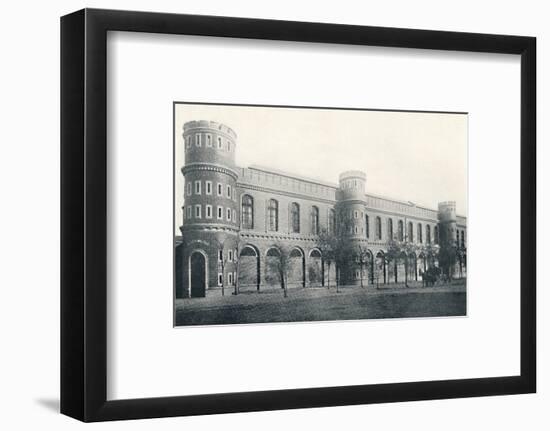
(351, 223)
(447, 223)
(351, 203)
(211, 210)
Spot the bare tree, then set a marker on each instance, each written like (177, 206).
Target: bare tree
(326, 242)
(378, 268)
(409, 248)
(337, 248)
(393, 254)
(238, 265)
(362, 255)
(281, 265)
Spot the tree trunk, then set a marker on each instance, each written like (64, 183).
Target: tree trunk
(361, 268)
(328, 275)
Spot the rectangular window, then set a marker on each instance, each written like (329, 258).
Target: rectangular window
(228, 146)
(189, 189)
(209, 187)
(208, 211)
(220, 189)
(230, 256)
(198, 140)
(234, 194)
(197, 187)
(356, 214)
(220, 213)
(220, 278)
(208, 140)
(220, 255)
(228, 214)
(230, 278)
(228, 193)
(188, 141)
(234, 216)
(197, 211)
(189, 212)
(219, 143)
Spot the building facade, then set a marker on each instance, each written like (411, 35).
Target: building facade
(236, 221)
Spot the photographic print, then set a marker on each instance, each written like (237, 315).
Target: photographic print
(295, 214)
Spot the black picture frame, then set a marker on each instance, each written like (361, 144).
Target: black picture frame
(84, 214)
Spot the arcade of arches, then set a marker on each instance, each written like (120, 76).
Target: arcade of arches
(260, 268)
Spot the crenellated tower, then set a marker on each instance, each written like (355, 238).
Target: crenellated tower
(447, 223)
(211, 209)
(351, 203)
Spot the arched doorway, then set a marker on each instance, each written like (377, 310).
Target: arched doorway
(197, 275)
(249, 268)
(296, 270)
(315, 269)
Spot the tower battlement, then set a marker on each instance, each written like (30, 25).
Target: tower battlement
(447, 211)
(210, 125)
(352, 185)
(209, 142)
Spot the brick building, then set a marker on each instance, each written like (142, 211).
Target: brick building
(236, 219)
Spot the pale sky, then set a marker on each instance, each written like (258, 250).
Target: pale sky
(417, 157)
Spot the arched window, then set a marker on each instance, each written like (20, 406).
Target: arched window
(419, 232)
(436, 234)
(314, 220)
(378, 228)
(247, 212)
(400, 230)
(332, 221)
(295, 217)
(390, 229)
(273, 215)
(367, 224)
(410, 232)
(428, 234)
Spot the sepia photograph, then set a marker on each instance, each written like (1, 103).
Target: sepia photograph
(300, 214)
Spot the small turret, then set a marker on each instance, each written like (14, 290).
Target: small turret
(351, 204)
(447, 223)
(352, 185)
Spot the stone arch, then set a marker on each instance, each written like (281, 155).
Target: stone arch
(296, 267)
(249, 268)
(315, 268)
(197, 273)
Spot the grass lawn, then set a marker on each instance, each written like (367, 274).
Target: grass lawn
(314, 304)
